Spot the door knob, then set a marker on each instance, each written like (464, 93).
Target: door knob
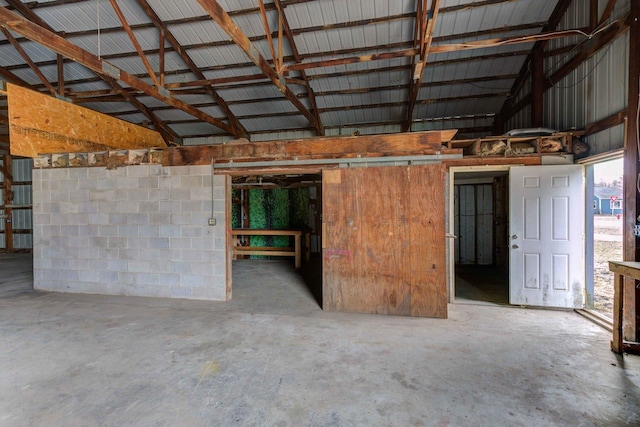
(515, 246)
(514, 237)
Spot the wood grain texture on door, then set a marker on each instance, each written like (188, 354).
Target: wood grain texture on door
(384, 244)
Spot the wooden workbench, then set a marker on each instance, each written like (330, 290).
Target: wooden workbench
(621, 270)
(269, 251)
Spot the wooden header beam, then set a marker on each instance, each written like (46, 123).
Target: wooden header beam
(62, 46)
(413, 143)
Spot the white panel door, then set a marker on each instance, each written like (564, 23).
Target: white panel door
(547, 212)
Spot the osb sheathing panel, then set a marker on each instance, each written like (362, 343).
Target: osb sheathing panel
(41, 124)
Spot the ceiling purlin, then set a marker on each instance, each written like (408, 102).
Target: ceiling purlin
(240, 38)
(344, 108)
(29, 61)
(166, 132)
(340, 52)
(239, 130)
(62, 46)
(298, 59)
(425, 24)
(112, 96)
(8, 75)
(441, 48)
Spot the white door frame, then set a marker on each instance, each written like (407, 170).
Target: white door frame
(451, 270)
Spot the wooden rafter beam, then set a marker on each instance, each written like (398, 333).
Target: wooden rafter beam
(222, 18)
(238, 130)
(425, 24)
(585, 52)
(296, 55)
(307, 56)
(267, 31)
(228, 83)
(167, 133)
(62, 46)
(606, 13)
(106, 95)
(442, 48)
(9, 76)
(134, 41)
(28, 60)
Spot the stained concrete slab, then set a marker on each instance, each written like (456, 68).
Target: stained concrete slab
(273, 357)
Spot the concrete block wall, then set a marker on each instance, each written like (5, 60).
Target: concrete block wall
(137, 230)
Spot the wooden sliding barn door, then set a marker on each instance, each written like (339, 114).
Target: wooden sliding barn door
(384, 240)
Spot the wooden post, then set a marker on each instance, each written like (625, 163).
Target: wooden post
(618, 295)
(631, 250)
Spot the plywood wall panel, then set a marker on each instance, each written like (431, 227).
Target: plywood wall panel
(383, 240)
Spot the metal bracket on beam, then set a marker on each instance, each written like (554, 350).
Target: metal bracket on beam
(164, 92)
(111, 70)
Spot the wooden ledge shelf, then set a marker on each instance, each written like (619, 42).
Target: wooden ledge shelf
(296, 251)
(622, 270)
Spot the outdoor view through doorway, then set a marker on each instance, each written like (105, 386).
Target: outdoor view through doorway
(607, 230)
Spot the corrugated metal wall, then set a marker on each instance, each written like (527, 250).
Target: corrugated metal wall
(474, 224)
(593, 91)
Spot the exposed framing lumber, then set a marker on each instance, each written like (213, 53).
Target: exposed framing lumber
(277, 59)
(340, 52)
(605, 123)
(134, 41)
(225, 22)
(554, 20)
(229, 83)
(167, 134)
(425, 24)
(238, 130)
(588, 50)
(441, 48)
(314, 54)
(314, 148)
(601, 40)
(606, 13)
(59, 45)
(28, 60)
(40, 124)
(296, 55)
(60, 66)
(8, 75)
(269, 6)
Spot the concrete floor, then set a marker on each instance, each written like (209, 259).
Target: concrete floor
(272, 357)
